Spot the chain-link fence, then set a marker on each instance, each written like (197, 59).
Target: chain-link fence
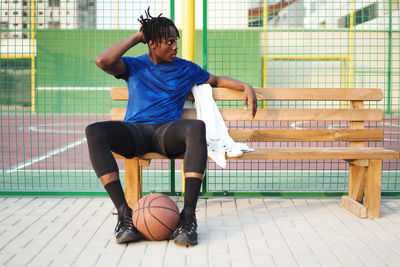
(51, 88)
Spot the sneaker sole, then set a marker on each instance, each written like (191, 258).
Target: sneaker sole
(128, 238)
(185, 242)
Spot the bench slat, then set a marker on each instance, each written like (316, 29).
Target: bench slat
(329, 94)
(282, 153)
(282, 114)
(290, 135)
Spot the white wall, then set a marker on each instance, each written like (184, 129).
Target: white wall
(128, 12)
(290, 17)
(223, 14)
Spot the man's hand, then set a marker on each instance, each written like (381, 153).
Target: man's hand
(110, 59)
(140, 36)
(249, 95)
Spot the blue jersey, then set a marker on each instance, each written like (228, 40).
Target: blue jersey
(157, 93)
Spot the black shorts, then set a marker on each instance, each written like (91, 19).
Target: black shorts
(150, 138)
(171, 139)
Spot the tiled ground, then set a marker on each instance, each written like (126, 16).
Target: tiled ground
(232, 232)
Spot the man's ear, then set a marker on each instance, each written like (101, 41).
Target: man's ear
(151, 44)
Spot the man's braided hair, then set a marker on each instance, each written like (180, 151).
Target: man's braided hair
(156, 29)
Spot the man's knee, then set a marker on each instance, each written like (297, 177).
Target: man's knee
(197, 129)
(94, 132)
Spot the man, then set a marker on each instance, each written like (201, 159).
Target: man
(158, 83)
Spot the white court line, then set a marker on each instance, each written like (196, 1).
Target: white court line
(42, 128)
(43, 156)
(74, 88)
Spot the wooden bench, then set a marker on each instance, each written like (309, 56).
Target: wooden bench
(344, 105)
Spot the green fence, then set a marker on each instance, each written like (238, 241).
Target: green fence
(51, 88)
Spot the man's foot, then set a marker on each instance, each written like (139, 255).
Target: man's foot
(125, 232)
(186, 233)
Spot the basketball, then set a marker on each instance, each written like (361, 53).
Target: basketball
(156, 216)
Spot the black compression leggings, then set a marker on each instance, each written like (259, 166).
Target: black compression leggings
(129, 140)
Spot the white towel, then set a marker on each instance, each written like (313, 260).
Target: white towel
(218, 139)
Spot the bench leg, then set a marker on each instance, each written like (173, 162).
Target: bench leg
(352, 202)
(372, 189)
(356, 182)
(364, 184)
(133, 181)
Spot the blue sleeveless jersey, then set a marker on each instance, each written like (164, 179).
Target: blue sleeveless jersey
(157, 93)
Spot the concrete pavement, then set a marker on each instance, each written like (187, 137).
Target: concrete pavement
(67, 231)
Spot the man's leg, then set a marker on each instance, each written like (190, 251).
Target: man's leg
(193, 182)
(113, 187)
(102, 138)
(188, 136)
(186, 232)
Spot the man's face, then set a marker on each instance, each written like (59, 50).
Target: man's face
(167, 50)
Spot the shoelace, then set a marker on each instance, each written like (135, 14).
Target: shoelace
(188, 223)
(124, 223)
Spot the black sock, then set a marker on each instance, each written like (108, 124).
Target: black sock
(192, 191)
(114, 190)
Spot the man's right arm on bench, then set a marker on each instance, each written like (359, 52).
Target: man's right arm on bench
(110, 60)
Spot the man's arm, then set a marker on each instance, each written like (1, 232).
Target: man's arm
(249, 95)
(110, 60)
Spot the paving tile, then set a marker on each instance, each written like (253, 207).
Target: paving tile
(62, 263)
(175, 259)
(197, 261)
(257, 246)
(309, 263)
(284, 259)
(109, 259)
(221, 262)
(156, 249)
(130, 263)
(6, 257)
(151, 262)
(241, 263)
(40, 260)
(133, 254)
(219, 248)
(88, 258)
(262, 259)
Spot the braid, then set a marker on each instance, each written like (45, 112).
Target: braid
(156, 29)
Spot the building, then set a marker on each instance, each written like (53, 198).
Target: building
(16, 22)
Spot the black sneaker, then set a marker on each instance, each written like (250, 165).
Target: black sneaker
(125, 232)
(186, 234)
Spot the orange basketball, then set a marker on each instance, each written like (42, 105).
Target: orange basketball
(156, 216)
